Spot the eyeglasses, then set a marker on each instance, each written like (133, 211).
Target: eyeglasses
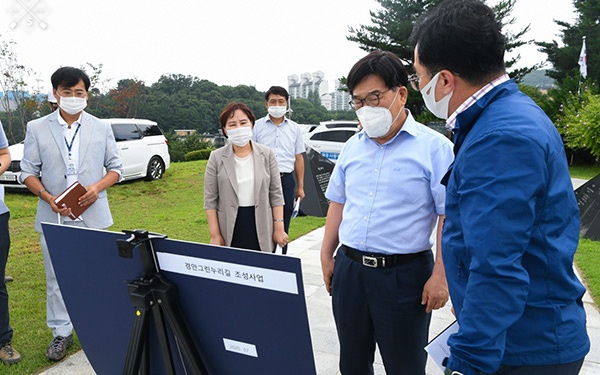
(372, 100)
(78, 93)
(414, 80)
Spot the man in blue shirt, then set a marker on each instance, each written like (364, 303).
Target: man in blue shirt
(512, 221)
(386, 199)
(285, 138)
(8, 355)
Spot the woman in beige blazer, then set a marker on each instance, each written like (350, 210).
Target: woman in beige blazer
(242, 188)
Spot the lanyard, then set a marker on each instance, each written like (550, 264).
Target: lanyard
(70, 146)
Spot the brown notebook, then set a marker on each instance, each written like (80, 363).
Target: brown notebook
(70, 198)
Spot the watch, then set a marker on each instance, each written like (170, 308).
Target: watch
(450, 372)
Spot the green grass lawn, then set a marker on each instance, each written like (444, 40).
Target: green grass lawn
(587, 257)
(172, 206)
(584, 172)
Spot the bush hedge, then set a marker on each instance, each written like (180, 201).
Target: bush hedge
(198, 154)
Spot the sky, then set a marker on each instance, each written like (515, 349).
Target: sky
(228, 42)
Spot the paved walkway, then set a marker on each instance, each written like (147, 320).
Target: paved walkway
(323, 333)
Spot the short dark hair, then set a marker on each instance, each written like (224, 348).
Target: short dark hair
(462, 36)
(277, 90)
(230, 109)
(384, 64)
(68, 76)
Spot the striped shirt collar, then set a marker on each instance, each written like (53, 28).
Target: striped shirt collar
(451, 122)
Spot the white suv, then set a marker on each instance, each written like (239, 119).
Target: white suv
(143, 148)
(329, 137)
(10, 178)
(141, 143)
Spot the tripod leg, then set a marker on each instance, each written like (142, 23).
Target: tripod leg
(166, 295)
(161, 331)
(137, 343)
(188, 346)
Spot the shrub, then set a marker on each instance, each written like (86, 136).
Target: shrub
(198, 154)
(579, 122)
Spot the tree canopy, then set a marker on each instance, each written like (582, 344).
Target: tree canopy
(565, 57)
(177, 101)
(392, 25)
(576, 103)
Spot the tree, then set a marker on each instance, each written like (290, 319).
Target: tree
(129, 97)
(503, 10)
(305, 112)
(314, 97)
(13, 82)
(97, 83)
(393, 24)
(565, 58)
(173, 83)
(391, 28)
(185, 102)
(579, 122)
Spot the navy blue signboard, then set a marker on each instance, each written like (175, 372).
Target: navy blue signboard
(246, 310)
(588, 200)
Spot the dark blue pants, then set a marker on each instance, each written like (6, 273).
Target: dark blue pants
(288, 185)
(381, 306)
(560, 369)
(5, 331)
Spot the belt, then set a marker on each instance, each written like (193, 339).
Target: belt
(281, 174)
(381, 261)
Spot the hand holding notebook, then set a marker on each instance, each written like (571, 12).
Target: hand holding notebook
(70, 198)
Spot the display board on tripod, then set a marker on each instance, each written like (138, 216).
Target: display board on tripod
(246, 310)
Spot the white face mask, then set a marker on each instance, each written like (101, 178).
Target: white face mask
(439, 109)
(277, 111)
(240, 136)
(72, 105)
(376, 121)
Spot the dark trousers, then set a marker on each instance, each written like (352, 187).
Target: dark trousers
(560, 369)
(5, 331)
(244, 231)
(288, 185)
(381, 306)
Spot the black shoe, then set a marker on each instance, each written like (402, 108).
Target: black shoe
(8, 279)
(57, 349)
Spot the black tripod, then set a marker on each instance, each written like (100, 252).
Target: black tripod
(153, 295)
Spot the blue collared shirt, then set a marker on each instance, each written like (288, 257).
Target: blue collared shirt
(391, 193)
(285, 139)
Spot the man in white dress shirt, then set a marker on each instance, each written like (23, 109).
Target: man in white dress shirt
(65, 146)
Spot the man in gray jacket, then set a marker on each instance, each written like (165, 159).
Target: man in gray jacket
(65, 146)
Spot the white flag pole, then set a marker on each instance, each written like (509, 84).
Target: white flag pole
(582, 64)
